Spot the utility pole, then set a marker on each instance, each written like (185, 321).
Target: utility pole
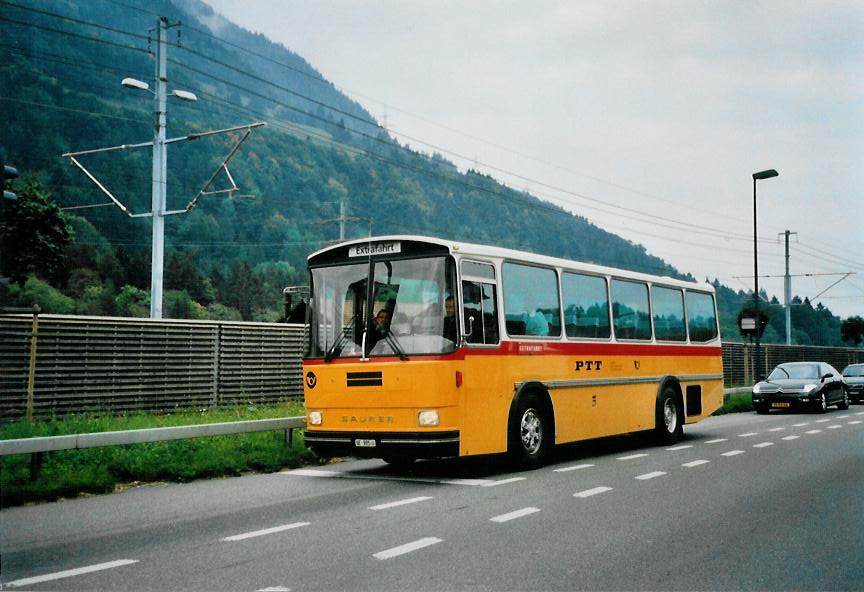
(158, 197)
(787, 291)
(160, 161)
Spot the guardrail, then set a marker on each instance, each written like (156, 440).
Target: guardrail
(40, 445)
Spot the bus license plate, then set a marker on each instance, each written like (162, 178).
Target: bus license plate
(780, 404)
(364, 443)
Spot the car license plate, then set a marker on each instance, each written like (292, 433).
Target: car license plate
(780, 404)
(364, 443)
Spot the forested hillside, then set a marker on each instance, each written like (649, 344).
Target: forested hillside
(229, 257)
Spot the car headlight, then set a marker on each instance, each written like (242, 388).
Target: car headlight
(316, 418)
(809, 388)
(757, 389)
(428, 418)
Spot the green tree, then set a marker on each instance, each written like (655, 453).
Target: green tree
(852, 330)
(132, 302)
(49, 299)
(33, 234)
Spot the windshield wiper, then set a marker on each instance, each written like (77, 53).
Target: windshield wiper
(395, 346)
(336, 348)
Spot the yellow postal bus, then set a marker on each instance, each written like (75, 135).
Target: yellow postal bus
(426, 348)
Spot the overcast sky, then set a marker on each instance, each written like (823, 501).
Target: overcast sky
(616, 108)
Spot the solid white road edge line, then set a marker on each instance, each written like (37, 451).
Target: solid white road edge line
(257, 533)
(514, 515)
(403, 502)
(69, 573)
(407, 548)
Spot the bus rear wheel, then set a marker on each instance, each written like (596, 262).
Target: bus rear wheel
(530, 434)
(668, 421)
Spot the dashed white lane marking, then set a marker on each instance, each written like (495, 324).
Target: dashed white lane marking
(763, 445)
(266, 531)
(822, 420)
(632, 456)
(578, 467)
(800, 425)
(748, 434)
(733, 453)
(514, 515)
(813, 432)
(503, 481)
(716, 440)
(842, 416)
(651, 475)
(403, 502)
(470, 482)
(69, 573)
(682, 447)
(860, 413)
(695, 463)
(854, 422)
(834, 427)
(275, 589)
(407, 548)
(776, 429)
(790, 437)
(590, 492)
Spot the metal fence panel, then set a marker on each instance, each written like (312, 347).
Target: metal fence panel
(115, 365)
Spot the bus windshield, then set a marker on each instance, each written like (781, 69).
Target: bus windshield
(400, 307)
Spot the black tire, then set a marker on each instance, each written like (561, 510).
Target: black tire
(844, 402)
(823, 404)
(530, 433)
(762, 409)
(668, 417)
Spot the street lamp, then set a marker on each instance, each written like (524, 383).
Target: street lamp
(770, 173)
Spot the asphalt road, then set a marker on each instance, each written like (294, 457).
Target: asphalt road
(745, 502)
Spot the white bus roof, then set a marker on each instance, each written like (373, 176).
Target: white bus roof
(468, 250)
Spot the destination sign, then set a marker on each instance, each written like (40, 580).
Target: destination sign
(370, 249)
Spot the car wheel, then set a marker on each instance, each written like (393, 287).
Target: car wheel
(399, 462)
(844, 402)
(823, 403)
(531, 433)
(668, 424)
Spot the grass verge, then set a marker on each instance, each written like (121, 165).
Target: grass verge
(737, 403)
(70, 473)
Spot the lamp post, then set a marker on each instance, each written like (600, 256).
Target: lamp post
(756, 177)
(158, 193)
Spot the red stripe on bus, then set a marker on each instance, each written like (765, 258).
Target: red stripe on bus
(545, 348)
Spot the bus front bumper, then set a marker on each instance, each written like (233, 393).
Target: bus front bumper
(383, 444)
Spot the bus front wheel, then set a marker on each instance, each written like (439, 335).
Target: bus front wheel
(669, 423)
(530, 434)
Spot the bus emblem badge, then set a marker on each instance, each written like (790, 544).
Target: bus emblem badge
(311, 380)
(636, 364)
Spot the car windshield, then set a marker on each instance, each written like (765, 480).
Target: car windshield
(802, 371)
(854, 371)
(406, 309)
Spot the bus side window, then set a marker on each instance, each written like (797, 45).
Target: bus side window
(480, 312)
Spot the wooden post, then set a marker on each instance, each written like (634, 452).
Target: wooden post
(31, 378)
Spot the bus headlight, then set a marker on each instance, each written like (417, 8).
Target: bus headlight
(428, 418)
(316, 418)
